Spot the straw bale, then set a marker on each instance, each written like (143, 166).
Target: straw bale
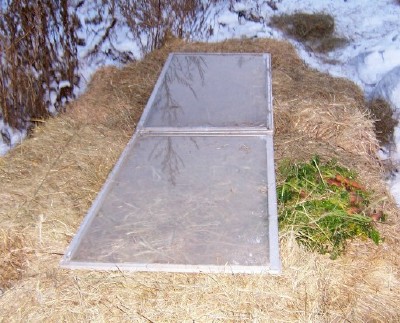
(49, 181)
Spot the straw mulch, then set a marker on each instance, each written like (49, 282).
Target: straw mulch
(49, 181)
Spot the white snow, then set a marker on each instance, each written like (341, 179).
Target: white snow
(394, 96)
(388, 88)
(64, 83)
(228, 19)
(371, 58)
(373, 66)
(241, 6)
(53, 97)
(94, 27)
(9, 134)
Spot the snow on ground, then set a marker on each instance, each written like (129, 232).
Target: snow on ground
(9, 137)
(372, 28)
(371, 58)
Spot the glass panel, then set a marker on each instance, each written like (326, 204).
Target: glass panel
(184, 200)
(200, 90)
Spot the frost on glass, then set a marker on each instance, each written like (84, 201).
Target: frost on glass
(184, 200)
(212, 91)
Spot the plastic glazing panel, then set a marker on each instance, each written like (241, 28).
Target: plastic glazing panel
(200, 90)
(184, 200)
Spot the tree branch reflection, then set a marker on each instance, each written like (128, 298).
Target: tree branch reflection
(186, 71)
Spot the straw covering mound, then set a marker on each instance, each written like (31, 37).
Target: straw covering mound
(49, 181)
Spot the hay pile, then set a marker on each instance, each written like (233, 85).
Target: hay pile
(315, 30)
(48, 183)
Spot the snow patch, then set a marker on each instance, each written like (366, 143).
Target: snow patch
(63, 84)
(240, 6)
(388, 88)
(372, 66)
(394, 185)
(9, 137)
(228, 19)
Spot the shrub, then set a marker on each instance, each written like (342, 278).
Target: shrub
(38, 59)
(152, 21)
(101, 29)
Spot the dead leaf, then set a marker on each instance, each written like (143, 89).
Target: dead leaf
(353, 210)
(349, 184)
(355, 199)
(334, 182)
(376, 216)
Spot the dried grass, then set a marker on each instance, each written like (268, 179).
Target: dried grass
(305, 26)
(384, 122)
(314, 30)
(13, 259)
(49, 181)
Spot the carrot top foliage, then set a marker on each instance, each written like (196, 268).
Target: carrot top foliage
(325, 207)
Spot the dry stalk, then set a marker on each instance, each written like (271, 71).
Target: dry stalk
(38, 59)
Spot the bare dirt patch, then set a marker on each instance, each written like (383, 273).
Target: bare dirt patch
(50, 180)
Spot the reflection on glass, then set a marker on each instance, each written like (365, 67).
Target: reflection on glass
(181, 199)
(182, 71)
(185, 200)
(171, 162)
(212, 91)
